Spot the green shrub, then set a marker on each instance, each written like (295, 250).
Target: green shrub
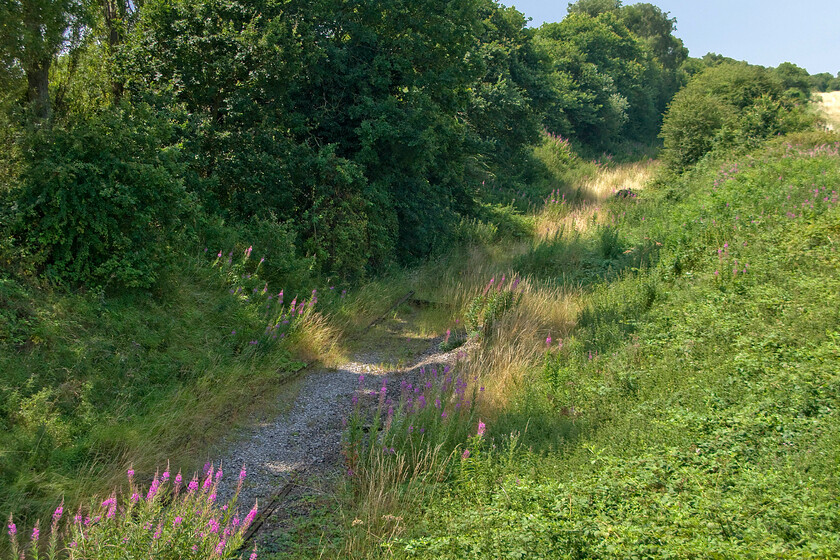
(725, 106)
(98, 199)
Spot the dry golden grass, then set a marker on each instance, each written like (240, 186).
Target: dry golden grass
(623, 176)
(389, 485)
(579, 217)
(829, 107)
(518, 339)
(545, 309)
(316, 339)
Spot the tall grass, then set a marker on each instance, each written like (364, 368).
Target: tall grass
(507, 345)
(658, 396)
(94, 384)
(691, 405)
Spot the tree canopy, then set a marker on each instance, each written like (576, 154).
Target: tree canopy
(365, 128)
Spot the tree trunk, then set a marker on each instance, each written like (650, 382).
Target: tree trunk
(38, 92)
(115, 12)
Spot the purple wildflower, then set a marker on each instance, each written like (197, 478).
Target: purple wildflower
(251, 515)
(152, 490)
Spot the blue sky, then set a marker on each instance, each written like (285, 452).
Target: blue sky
(766, 32)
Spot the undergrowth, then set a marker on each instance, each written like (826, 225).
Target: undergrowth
(681, 402)
(92, 383)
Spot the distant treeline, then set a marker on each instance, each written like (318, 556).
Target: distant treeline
(341, 136)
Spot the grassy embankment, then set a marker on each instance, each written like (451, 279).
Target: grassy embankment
(92, 383)
(686, 406)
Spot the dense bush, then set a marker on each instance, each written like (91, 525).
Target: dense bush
(98, 199)
(726, 105)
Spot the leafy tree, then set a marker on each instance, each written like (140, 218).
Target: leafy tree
(506, 103)
(726, 105)
(593, 8)
(606, 78)
(657, 29)
(795, 80)
(821, 82)
(98, 200)
(33, 34)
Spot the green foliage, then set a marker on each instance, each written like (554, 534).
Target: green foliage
(726, 105)
(606, 79)
(795, 81)
(697, 403)
(610, 245)
(33, 34)
(824, 81)
(418, 103)
(91, 382)
(486, 309)
(99, 202)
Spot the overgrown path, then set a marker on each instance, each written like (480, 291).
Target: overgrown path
(294, 459)
(299, 451)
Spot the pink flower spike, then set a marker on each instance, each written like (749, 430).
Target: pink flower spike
(481, 427)
(465, 455)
